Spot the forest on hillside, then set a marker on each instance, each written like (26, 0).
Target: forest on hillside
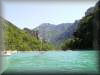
(86, 37)
(18, 39)
(83, 36)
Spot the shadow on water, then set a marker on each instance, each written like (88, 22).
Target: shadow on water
(3, 63)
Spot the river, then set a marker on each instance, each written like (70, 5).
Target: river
(54, 61)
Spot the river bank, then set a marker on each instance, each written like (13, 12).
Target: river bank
(7, 52)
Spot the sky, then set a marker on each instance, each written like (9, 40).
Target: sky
(32, 14)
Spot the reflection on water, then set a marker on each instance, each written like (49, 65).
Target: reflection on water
(54, 61)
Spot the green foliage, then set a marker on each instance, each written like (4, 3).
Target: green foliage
(83, 37)
(85, 33)
(17, 39)
(68, 44)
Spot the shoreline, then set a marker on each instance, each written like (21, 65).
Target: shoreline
(9, 52)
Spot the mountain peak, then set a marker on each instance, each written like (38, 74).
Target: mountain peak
(46, 24)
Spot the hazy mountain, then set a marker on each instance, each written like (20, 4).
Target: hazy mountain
(68, 33)
(56, 33)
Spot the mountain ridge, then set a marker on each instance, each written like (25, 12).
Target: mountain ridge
(52, 33)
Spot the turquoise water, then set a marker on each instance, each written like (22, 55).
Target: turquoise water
(3, 64)
(54, 61)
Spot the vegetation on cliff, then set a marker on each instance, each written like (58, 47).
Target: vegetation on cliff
(88, 30)
(18, 39)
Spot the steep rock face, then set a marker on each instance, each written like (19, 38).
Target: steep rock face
(96, 43)
(90, 11)
(44, 30)
(87, 35)
(33, 33)
(56, 34)
(67, 33)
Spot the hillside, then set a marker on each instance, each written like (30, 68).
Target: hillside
(56, 34)
(83, 34)
(87, 34)
(17, 39)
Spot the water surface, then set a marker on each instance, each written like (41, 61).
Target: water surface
(54, 61)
